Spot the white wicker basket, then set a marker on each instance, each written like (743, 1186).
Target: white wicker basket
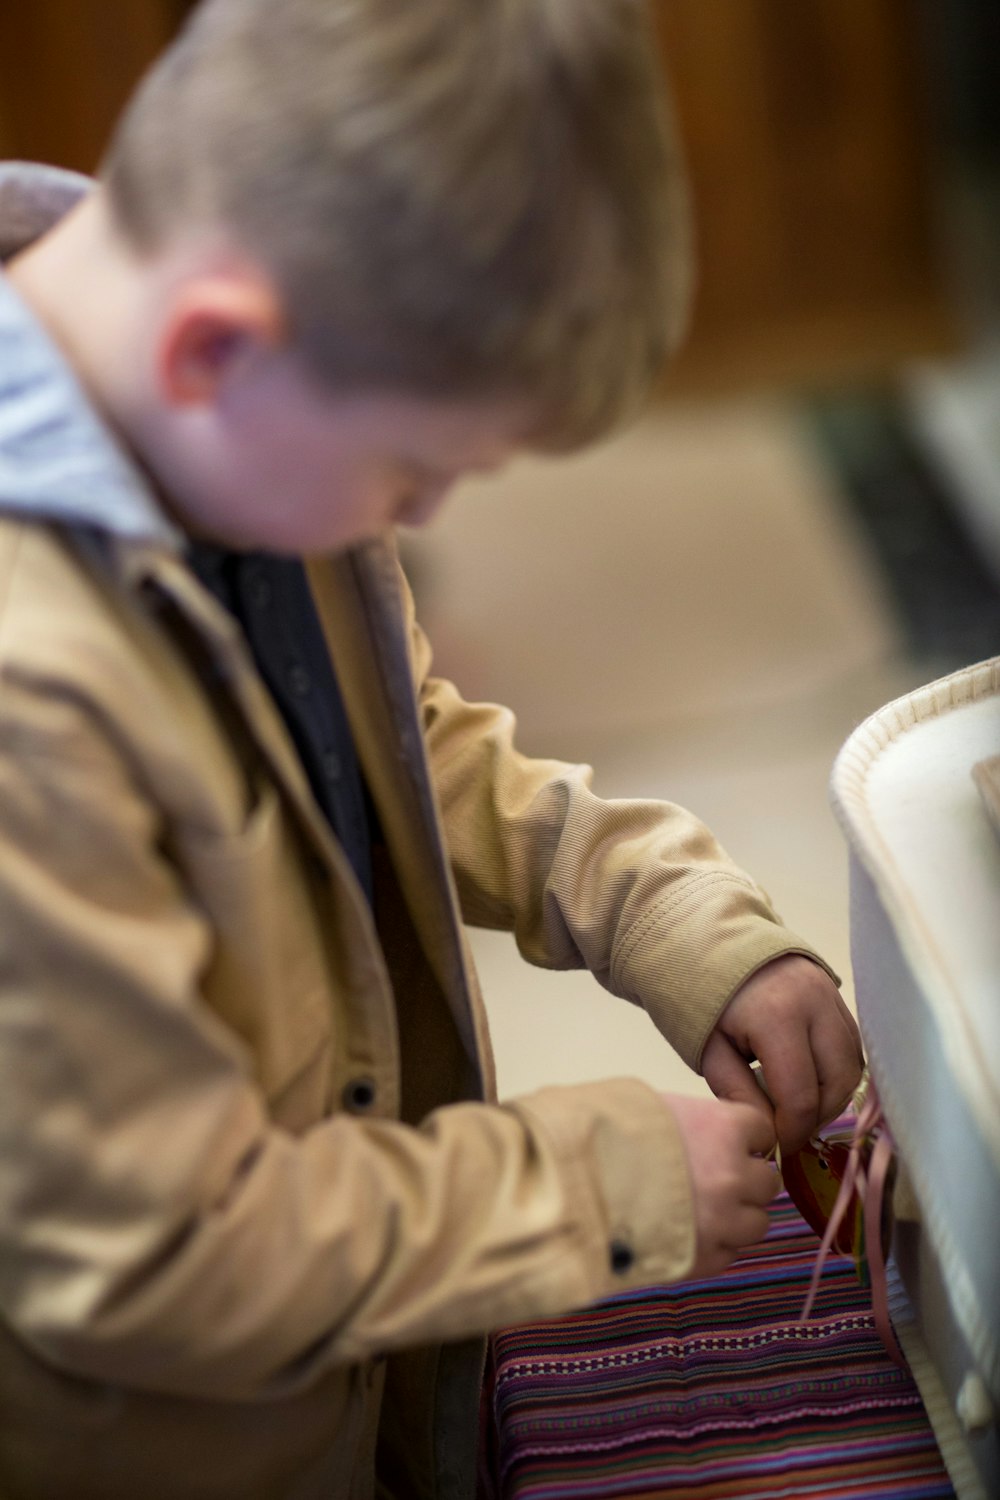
(925, 938)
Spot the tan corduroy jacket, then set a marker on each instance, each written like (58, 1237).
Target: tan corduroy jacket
(254, 1210)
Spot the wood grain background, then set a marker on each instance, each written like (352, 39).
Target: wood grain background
(806, 132)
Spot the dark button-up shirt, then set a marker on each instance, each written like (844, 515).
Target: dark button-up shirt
(269, 596)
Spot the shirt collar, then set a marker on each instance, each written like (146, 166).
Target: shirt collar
(58, 460)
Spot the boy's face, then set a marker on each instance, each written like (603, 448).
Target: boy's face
(278, 463)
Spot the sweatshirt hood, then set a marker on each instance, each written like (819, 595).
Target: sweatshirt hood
(59, 461)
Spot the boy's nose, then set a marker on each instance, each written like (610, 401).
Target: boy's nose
(423, 505)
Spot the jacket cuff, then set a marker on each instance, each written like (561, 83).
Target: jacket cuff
(627, 1180)
(653, 974)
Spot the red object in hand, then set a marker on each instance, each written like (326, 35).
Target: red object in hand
(812, 1179)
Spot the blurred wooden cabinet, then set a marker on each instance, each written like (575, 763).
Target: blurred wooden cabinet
(66, 68)
(805, 130)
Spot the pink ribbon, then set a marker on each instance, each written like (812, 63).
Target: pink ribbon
(870, 1187)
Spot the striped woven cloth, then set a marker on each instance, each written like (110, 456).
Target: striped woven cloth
(713, 1389)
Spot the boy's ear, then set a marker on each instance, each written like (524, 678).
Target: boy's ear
(214, 329)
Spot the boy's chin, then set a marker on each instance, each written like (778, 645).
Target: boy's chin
(282, 536)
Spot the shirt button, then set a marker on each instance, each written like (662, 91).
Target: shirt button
(332, 767)
(260, 593)
(359, 1095)
(621, 1256)
(300, 682)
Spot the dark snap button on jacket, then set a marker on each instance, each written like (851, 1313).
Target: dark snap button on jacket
(359, 1094)
(622, 1258)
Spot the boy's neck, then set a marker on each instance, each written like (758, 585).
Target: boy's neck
(82, 285)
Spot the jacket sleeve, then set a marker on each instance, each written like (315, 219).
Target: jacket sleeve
(158, 1231)
(638, 892)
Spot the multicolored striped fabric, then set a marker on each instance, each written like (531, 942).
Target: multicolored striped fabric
(714, 1389)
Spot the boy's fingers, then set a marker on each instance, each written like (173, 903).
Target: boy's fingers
(790, 1070)
(731, 1077)
(762, 1183)
(840, 1062)
(791, 1016)
(747, 1227)
(759, 1184)
(760, 1136)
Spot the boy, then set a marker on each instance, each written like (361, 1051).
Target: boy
(257, 1206)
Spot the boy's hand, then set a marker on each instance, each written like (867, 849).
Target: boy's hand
(731, 1183)
(791, 1017)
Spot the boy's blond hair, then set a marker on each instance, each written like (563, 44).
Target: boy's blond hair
(455, 197)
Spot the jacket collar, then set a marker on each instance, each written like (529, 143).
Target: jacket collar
(58, 460)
